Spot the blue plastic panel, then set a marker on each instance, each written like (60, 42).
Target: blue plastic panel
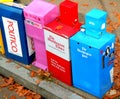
(96, 19)
(14, 35)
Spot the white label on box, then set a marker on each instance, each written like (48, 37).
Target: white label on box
(92, 23)
(57, 45)
(30, 43)
(34, 24)
(111, 74)
(12, 36)
(103, 26)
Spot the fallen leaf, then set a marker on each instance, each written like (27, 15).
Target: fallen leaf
(12, 97)
(19, 88)
(85, 4)
(57, 82)
(25, 92)
(18, 66)
(37, 96)
(28, 66)
(29, 97)
(40, 72)
(38, 81)
(113, 3)
(9, 61)
(47, 74)
(32, 74)
(59, 27)
(52, 1)
(14, 86)
(8, 82)
(101, 7)
(116, 61)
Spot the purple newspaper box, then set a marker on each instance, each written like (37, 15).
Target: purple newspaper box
(37, 14)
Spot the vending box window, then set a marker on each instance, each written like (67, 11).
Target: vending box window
(17, 45)
(92, 61)
(57, 35)
(37, 14)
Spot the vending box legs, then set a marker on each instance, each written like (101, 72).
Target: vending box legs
(41, 58)
(92, 62)
(37, 14)
(16, 43)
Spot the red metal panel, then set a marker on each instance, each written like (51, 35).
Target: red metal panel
(69, 12)
(59, 68)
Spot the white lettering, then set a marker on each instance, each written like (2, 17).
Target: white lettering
(84, 49)
(84, 56)
(92, 23)
(84, 53)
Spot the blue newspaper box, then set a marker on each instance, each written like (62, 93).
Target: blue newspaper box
(17, 45)
(96, 20)
(92, 61)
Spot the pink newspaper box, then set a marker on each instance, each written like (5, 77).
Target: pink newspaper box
(37, 14)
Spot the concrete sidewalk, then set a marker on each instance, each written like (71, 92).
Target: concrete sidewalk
(49, 90)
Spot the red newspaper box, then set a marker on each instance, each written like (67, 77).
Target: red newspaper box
(57, 34)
